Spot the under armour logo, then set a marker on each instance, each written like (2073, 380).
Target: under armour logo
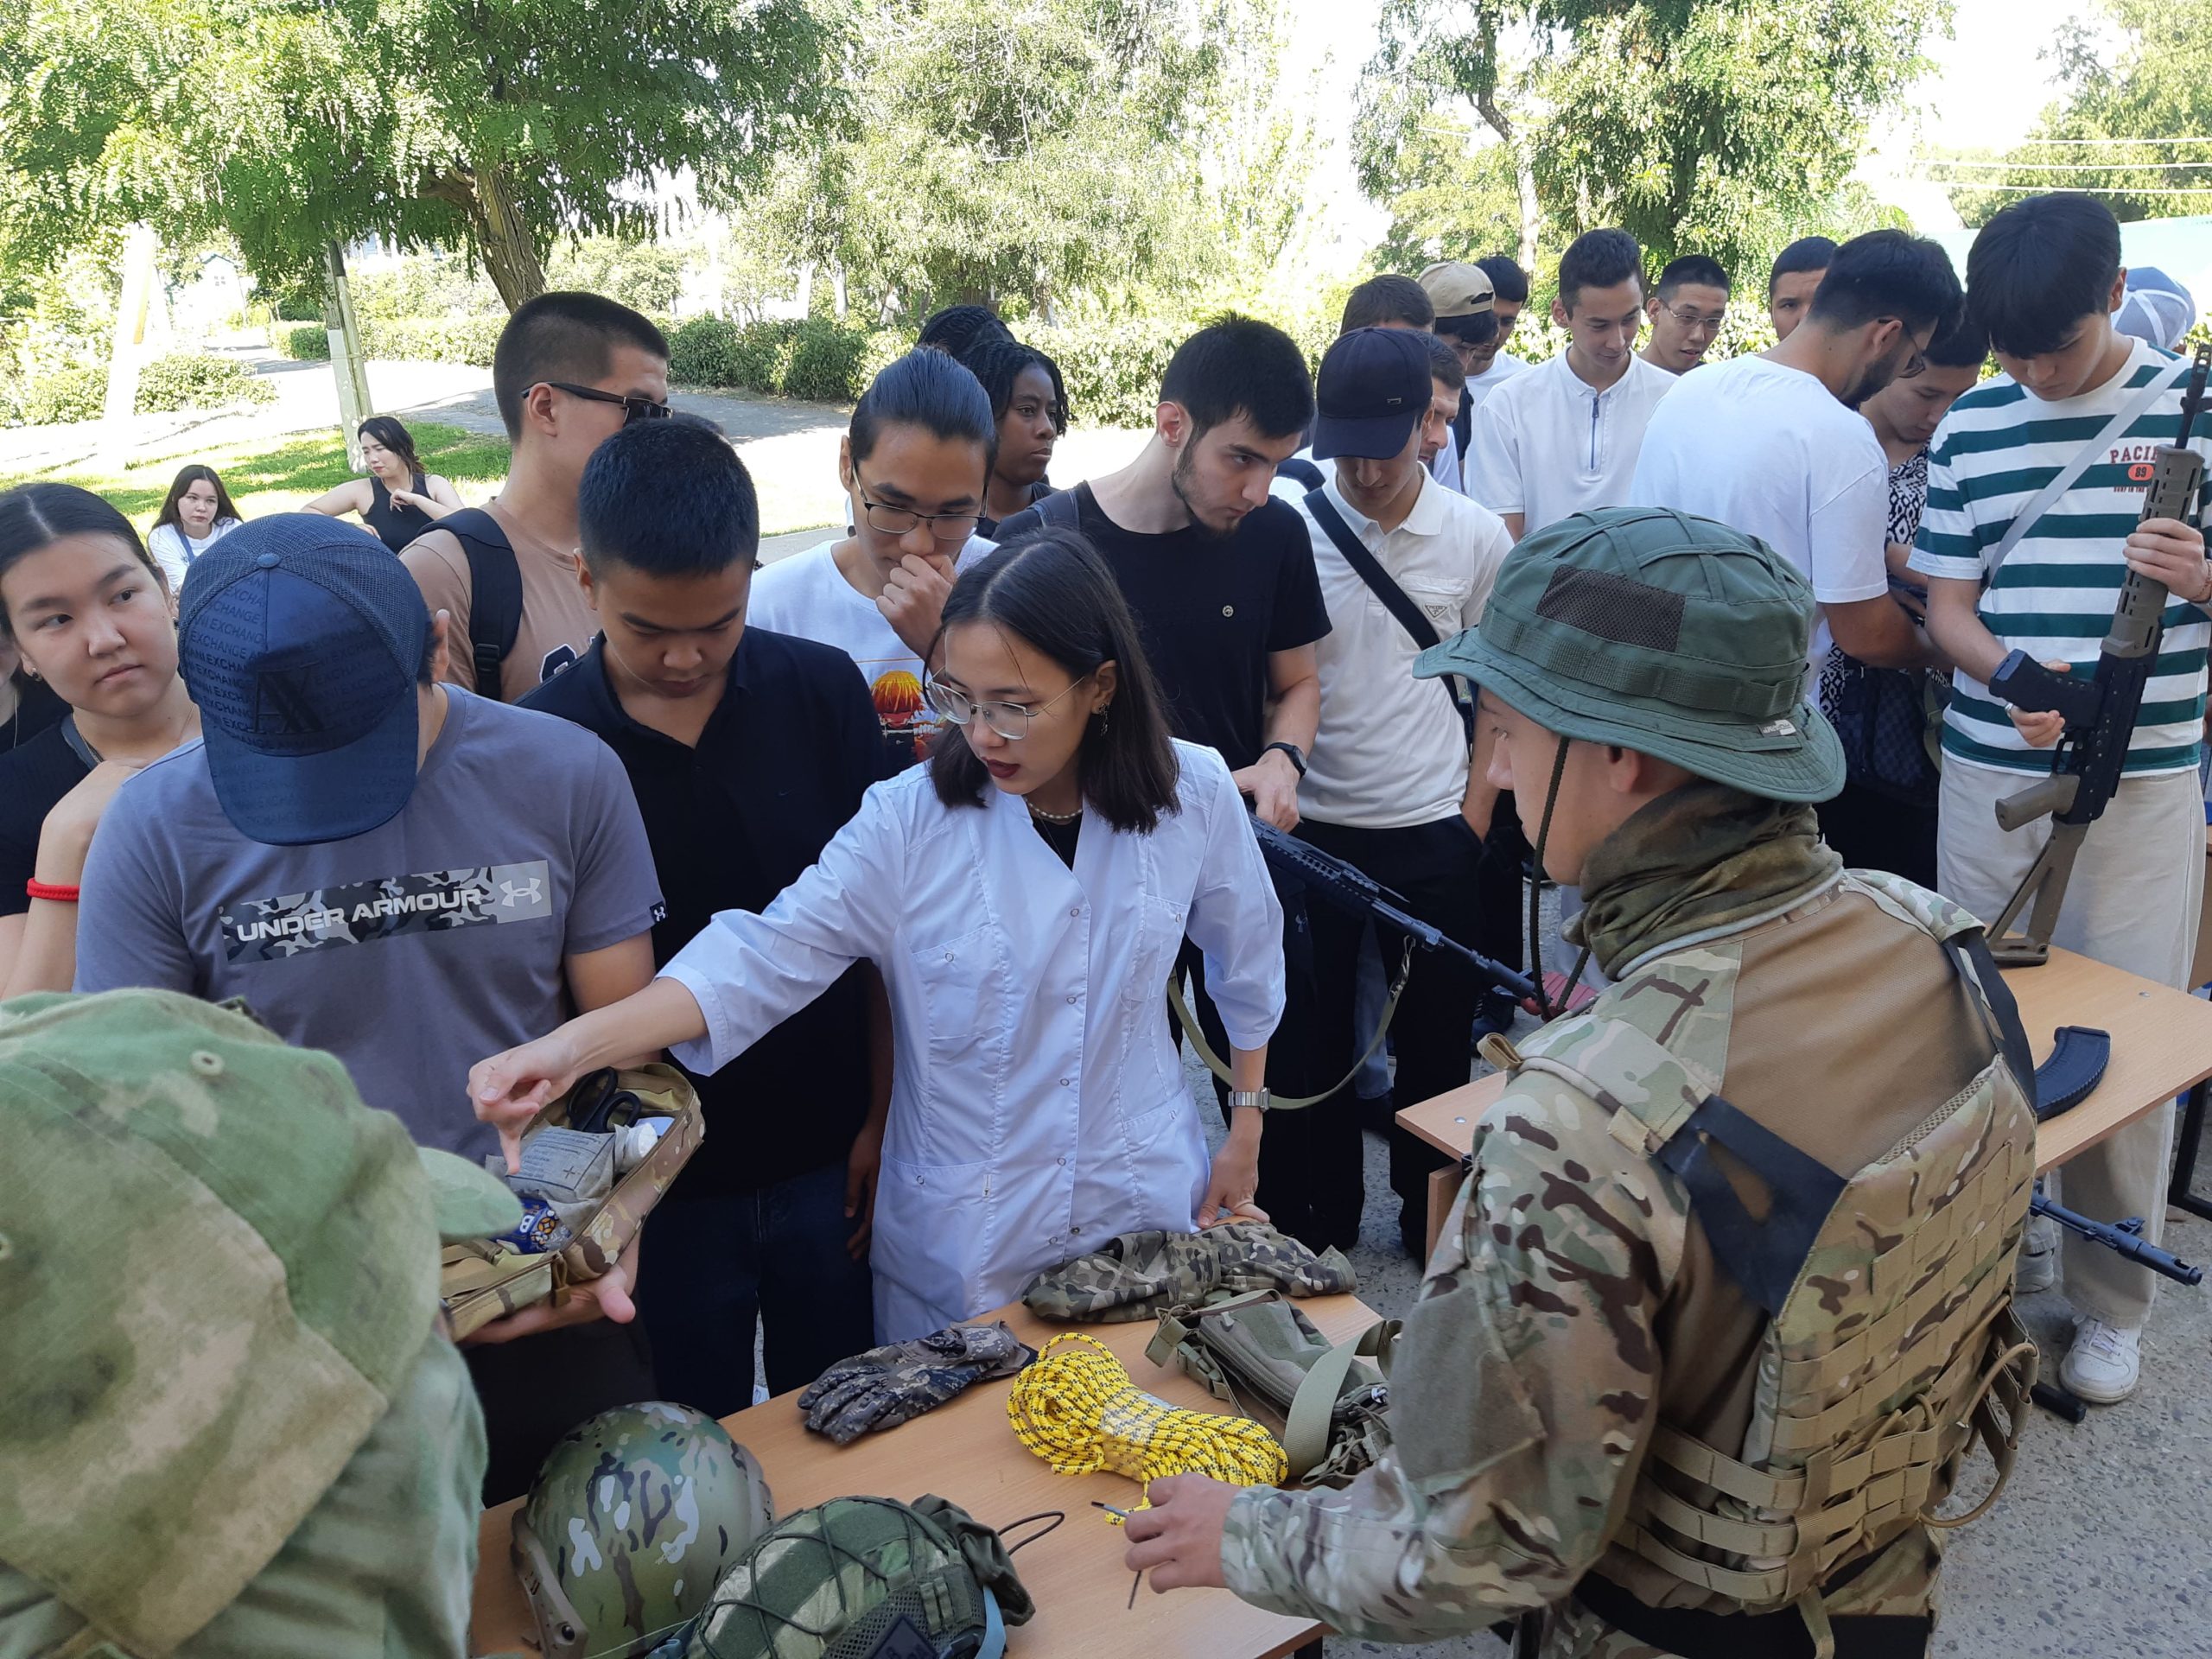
(512, 894)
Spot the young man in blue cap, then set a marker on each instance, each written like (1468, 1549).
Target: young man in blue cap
(392, 870)
(1403, 562)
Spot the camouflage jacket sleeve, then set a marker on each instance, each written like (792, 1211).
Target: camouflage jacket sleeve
(1522, 1395)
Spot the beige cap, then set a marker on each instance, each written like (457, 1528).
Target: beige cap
(1456, 288)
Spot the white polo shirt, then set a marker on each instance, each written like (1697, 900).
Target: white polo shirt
(1503, 367)
(1547, 444)
(1768, 450)
(1391, 752)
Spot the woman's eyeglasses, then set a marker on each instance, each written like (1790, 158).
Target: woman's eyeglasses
(1009, 719)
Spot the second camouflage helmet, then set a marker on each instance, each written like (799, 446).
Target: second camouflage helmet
(634, 1517)
(1666, 633)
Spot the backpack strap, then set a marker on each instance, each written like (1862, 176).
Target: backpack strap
(1299, 470)
(1060, 510)
(494, 594)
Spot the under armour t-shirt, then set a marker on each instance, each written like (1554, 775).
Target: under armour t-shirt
(432, 942)
(557, 622)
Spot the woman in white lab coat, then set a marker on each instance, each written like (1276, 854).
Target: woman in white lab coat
(1023, 896)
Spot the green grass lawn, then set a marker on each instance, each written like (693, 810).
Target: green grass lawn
(265, 479)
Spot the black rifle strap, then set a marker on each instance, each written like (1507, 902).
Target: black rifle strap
(494, 594)
(1393, 597)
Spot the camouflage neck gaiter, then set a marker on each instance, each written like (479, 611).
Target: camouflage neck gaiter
(1694, 860)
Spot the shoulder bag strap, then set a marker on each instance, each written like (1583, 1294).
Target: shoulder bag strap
(494, 594)
(2030, 516)
(1393, 597)
(1060, 509)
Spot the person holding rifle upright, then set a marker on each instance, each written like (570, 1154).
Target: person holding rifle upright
(2036, 485)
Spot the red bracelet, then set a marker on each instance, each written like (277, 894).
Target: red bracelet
(48, 891)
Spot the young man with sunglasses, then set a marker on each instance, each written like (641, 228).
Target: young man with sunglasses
(570, 370)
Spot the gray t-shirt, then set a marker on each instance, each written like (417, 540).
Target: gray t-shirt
(409, 952)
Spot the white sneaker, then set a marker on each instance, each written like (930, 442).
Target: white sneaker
(2038, 1267)
(2104, 1365)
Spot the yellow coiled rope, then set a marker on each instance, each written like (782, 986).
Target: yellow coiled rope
(1077, 1408)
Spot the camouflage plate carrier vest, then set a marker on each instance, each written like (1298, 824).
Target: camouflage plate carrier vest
(1889, 1294)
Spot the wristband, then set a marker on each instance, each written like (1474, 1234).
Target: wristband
(1260, 1098)
(48, 891)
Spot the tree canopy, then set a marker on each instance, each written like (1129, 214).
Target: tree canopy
(494, 125)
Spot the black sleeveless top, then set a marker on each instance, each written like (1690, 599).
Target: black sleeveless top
(398, 525)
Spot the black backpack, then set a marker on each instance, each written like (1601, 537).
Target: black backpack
(494, 594)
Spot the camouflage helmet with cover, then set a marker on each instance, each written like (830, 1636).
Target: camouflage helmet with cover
(635, 1515)
(1662, 632)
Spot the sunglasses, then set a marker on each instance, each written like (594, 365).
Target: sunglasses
(634, 408)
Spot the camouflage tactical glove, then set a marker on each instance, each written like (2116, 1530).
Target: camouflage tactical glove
(1141, 1276)
(884, 1386)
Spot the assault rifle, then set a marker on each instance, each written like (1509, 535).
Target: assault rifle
(2125, 1238)
(2100, 710)
(1347, 887)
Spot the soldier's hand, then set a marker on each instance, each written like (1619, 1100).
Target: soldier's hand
(507, 1089)
(913, 600)
(2042, 730)
(1177, 1540)
(607, 1297)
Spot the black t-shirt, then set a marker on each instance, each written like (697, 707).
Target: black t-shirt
(37, 710)
(782, 764)
(1209, 610)
(32, 779)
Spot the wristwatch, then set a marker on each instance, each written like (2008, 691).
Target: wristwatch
(1297, 755)
(1260, 1099)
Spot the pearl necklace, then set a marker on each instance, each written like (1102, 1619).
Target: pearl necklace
(1055, 818)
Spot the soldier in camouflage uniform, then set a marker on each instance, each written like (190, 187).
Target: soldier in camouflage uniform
(1698, 1349)
(234, 1427)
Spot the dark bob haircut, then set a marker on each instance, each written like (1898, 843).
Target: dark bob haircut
(1507, 282)
(563, 336)
(1238, 365)
(1887, 274)
(1387, 299)
(1807, 253)
(668, 498)
(1598, 258)
(33, 517)
(929, 389)
(2039, 267)
(1051, 590)
(393, 436)
(1691, 270)
(959, 329)
(999, 362)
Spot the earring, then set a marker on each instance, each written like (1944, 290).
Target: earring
(1105, 720)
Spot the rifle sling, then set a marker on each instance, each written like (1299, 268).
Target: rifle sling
(1213, 1061)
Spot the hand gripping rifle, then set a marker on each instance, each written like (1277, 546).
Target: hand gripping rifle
(2100, 711)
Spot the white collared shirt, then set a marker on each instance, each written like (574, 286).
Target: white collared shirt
(1037, 1104)
(1547, 444)
(1390, 751)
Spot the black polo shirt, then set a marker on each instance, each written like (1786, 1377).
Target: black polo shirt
(1209, 609)
(783, 763)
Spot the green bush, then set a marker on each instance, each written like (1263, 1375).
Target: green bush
(199, 380)
(434, 339)
(703, 353)
(762, 356)
(825, 362)
(65, 394)
(306, 342)
(1112, 370)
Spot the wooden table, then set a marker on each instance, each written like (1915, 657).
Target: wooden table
(966, 1451)
(2161, 1047)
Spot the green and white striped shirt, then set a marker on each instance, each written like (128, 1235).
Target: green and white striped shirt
(2054, 596)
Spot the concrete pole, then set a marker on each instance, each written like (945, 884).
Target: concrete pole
(347, 361)
(127, 347)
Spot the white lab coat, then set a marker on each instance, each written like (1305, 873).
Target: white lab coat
(1037, 1104)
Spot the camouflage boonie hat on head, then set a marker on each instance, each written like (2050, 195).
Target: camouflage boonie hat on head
(217, 1267)
(1662, 632)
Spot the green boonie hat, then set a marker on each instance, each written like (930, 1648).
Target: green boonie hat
(218, 1267)
(1663, 632)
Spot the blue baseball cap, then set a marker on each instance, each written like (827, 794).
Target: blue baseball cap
(1371, 393)
(300, 638)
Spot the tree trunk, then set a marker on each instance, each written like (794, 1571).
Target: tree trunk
(1524, 176)
(503, 240)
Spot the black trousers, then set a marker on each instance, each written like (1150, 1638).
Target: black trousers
(1873, 831)
(1312, 1177)
(534, 1389)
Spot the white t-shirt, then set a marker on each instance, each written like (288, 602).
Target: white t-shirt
(807, 596)
(1547, 443)
(1390, 751)
(1501, 368)
(174, 552)
(1768, 450)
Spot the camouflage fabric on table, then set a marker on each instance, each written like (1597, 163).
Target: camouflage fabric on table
(1141, 1276)
(884, 1386)
(835, 1581)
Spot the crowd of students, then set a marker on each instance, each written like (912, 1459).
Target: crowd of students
(899, 842)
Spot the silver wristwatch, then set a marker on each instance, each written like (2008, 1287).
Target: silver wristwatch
(1260, 1098)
